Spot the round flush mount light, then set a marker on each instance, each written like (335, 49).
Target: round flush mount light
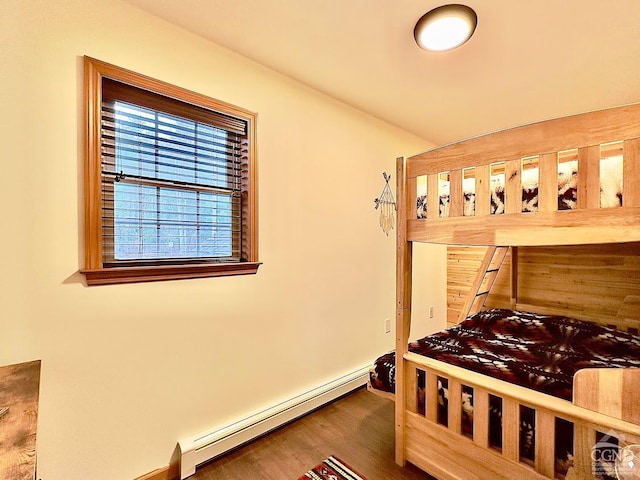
(445, 27)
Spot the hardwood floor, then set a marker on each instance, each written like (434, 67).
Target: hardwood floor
(358, 428)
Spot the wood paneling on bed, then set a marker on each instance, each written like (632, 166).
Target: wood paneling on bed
(589, 282)
(463, 263)
(462, 266)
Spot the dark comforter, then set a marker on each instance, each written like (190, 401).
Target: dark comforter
(541, 352)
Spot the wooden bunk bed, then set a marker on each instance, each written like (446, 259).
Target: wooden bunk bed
(605, 401)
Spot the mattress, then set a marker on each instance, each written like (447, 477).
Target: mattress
(541, 352)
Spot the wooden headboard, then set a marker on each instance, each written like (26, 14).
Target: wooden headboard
(599, 283)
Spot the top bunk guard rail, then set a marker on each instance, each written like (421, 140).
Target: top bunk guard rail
(544, 150)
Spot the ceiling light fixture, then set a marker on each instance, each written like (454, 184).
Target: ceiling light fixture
(445, 27)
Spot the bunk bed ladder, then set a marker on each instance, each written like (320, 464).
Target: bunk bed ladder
(487, 273)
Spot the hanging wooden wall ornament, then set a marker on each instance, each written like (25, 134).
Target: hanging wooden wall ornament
(387, 205)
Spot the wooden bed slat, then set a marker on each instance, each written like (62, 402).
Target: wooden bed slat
(432, 397)
(589, 177)
(510, 429)
(483, 197)
(411, 387)
(545, 434)
(584, 439)
(630, 177)
(433, 197)
(412, 194)
(548, 183)
(513, 187)
(481, 417)
(456, 196)
(455, 406)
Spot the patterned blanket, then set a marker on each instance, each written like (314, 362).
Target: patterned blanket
(541, 352)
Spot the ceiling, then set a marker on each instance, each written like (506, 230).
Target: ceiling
(529, 60)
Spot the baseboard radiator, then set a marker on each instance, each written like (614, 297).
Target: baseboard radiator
(196, 451)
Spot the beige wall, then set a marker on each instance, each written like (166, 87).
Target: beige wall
(129, 370)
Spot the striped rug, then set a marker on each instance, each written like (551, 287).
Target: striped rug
(332, 469)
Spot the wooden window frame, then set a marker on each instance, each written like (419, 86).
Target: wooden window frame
(96, 273)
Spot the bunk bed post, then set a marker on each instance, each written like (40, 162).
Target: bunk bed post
(514, 277)
(403, 304)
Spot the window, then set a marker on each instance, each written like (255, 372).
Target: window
(170, 181)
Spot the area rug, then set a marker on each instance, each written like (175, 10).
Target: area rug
(332, 469)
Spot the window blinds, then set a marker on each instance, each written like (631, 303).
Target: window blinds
(171, 180)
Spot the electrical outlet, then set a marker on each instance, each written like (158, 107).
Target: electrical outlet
(430, 312)
(387, 325)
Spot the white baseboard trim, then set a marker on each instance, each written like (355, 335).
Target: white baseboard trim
(196, 451)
